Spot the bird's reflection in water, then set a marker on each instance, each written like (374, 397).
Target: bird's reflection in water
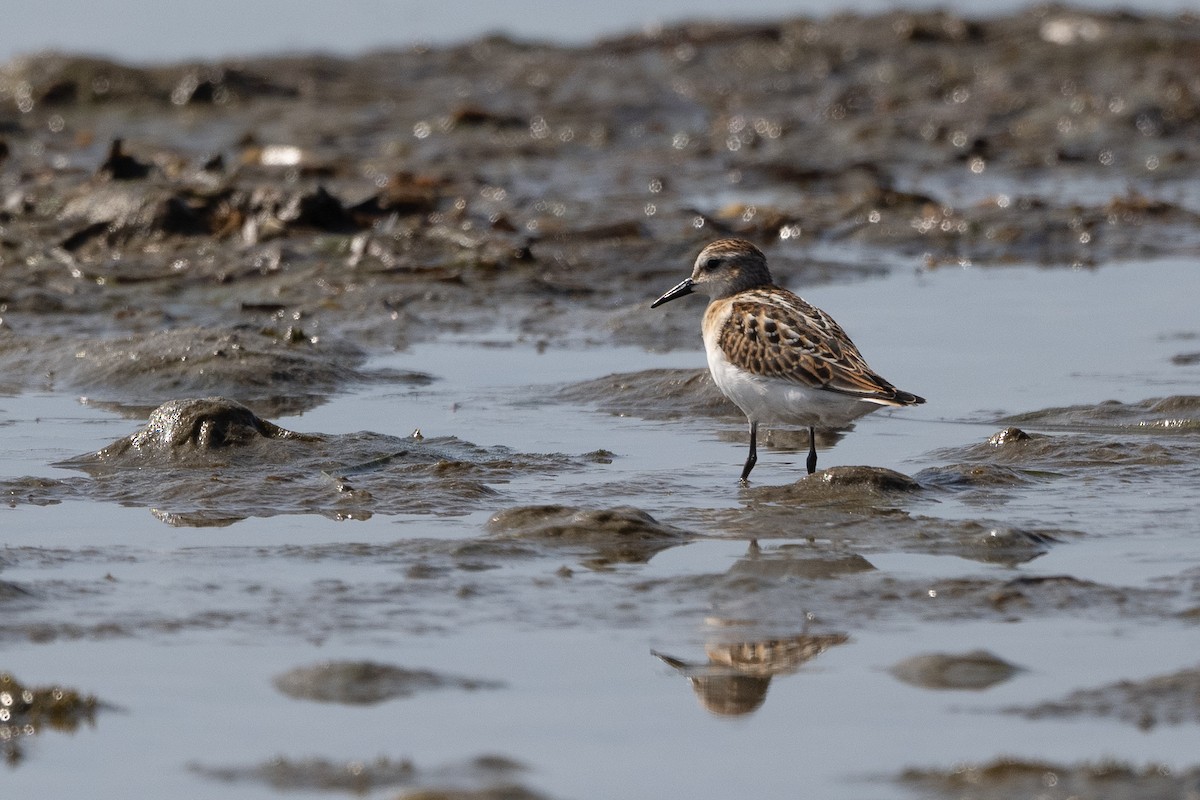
(735, 679)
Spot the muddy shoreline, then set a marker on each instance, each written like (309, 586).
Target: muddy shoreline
(210, 252)
(329, 205)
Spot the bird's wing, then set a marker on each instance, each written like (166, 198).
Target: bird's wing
(775, 333)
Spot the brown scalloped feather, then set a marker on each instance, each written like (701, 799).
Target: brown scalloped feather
(773, 332)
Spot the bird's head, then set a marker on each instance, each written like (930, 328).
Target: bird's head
(723, 268)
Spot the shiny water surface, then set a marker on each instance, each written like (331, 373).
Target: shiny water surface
(180, 631)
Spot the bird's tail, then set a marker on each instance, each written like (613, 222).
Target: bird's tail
(903, 398)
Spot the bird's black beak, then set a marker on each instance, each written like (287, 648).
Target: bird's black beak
(685, 286)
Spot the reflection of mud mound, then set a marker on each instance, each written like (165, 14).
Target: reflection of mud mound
(215, 461)
(865, 518)
(1035, 595)
(318, 774)
(615, 535)
(854, 599)
(1162, 700)
(1006, 779)
(655, 394)
(29, 710)
(974, 671)
(281, 372)
(1000, 544)
(366, 683)
(791, 561)
(494, 773)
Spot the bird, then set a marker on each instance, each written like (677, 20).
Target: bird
(780, 359)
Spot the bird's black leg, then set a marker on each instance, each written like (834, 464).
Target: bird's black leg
(812, 450)
(753, 457)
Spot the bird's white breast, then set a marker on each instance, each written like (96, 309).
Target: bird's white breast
(774, 400)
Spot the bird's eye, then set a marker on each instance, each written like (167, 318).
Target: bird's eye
(710, 264)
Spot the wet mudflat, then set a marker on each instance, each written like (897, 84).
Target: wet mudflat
(341, 452)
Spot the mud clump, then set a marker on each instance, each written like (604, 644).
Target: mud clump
(280, 371)
(1007, 436)
(974, 477)
(568, 524)
(1177, 413)
(875, 479)
(847, 484)
(615, 535)
(216, 462)
(182, 428)
(1108, 440)
(973, 671)
(982, 482)
(366, 683)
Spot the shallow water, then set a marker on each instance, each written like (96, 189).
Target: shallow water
(182, 629)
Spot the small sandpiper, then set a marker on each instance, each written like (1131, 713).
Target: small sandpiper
(778, 358)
